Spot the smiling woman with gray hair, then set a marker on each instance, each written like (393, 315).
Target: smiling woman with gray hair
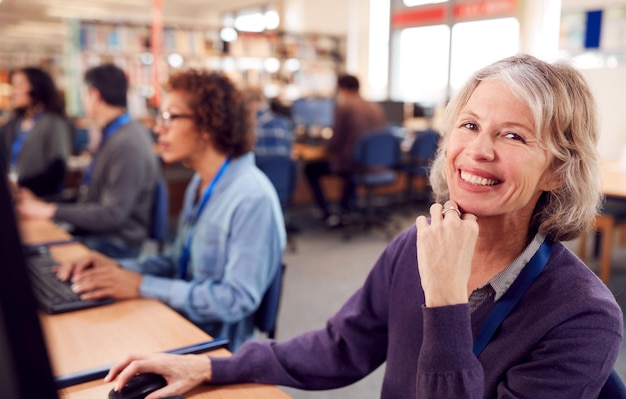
(479, 300)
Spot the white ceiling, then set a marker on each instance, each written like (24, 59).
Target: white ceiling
(36, 24)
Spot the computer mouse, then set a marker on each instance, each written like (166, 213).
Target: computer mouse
(139, 386)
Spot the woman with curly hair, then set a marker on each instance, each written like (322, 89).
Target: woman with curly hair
(35, 142)
(230, 236)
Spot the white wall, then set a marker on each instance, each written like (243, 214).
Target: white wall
(324, 16)
(590, 4)
(609, 86)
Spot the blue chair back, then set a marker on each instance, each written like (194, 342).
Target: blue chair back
(160, 213)
(613, 387)
(380, 148)
(425, 145)
(281, 170)
(266, 315)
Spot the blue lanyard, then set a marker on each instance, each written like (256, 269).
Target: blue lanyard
(512, 296)
(20, 138)
(109, 130)
(193, 219)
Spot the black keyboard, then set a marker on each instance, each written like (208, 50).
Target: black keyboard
(54, 296)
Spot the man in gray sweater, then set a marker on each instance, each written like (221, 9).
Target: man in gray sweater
(113, 211)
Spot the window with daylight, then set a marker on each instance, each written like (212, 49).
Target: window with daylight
(421, 65)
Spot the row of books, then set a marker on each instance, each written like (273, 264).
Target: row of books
(114, 38)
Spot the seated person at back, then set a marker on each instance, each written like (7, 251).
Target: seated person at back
(353, 118)
(274, 133)
(231, 233)
(35, 142)
(113, 210)
(517, 173)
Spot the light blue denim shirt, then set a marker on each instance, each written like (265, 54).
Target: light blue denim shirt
(236, 249)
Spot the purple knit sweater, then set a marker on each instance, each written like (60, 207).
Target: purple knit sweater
(560, 341)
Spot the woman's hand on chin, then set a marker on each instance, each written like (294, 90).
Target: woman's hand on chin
(445, 249)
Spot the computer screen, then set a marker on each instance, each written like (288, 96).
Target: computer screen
(394, 112)
(25, 371)
(423, 110)
(313, 111)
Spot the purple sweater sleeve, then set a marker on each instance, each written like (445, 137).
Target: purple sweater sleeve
(447, 367)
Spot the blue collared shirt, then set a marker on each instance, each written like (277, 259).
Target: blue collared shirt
(236, 249)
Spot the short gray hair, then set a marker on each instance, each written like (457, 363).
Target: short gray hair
(564, 112)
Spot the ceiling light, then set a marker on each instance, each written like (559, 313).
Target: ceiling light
(292, 64)
(175, 60)
(228, 34)
(272, 19)
(271, 65)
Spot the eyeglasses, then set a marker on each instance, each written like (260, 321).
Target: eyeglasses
(165, 118)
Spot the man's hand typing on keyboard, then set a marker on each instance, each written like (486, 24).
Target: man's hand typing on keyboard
(95, 276)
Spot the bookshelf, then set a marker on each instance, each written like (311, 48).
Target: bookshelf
(294, 65)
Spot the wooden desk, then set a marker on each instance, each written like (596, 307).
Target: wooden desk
(613, 179)
(95, 337)
(306, 152)
(38, 231)
(98, 336)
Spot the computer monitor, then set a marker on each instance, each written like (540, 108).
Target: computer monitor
(394, 112)
(315, 111)
(423, 110)
(25, 371)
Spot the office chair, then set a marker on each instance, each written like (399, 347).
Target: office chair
(613, 387)
(375, 156)
(160, 215)
(266, 315)
(613, 216)
(281, 170)
(421, 156)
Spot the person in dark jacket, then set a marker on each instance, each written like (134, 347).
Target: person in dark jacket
(353, 118)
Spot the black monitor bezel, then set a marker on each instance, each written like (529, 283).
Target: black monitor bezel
(25, 370)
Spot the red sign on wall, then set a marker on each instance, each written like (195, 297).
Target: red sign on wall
(484, 9)
(436, 14)
(419, 16)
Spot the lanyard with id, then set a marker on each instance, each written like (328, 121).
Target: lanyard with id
(510, 298)
(192, 219)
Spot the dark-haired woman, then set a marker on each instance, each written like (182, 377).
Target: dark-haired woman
(231, 231)
(35, 142)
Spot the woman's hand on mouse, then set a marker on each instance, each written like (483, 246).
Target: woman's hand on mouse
(445, 249)
(182, 372)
